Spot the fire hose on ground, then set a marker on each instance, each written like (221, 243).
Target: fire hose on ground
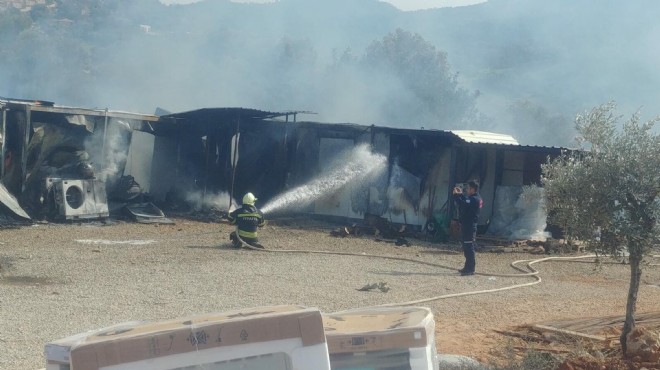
(533, 273)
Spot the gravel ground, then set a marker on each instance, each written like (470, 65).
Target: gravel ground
(59, 280)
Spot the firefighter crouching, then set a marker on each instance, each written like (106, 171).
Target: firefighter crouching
(247, 220)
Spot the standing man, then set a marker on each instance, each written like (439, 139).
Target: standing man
(469, 207)
(247, 220)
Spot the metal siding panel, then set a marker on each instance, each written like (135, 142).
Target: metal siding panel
(140, 158)
(512, 178)
(163, 175)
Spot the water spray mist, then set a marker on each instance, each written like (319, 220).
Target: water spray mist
(351, 167)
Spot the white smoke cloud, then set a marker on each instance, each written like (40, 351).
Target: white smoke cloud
(219, 201)
(515, 53)
(406, 5)
(109, 150)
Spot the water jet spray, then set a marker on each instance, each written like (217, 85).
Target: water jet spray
(351, 167)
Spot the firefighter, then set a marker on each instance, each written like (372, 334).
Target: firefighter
(469, 206)
(247, 219)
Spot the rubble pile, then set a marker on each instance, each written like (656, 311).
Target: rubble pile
(210, 214)
(7, 221)
(644, 345)
(379, 227)
(592, 343)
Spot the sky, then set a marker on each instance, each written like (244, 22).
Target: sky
(406, 5)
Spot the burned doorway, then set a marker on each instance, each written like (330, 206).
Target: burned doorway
(419, 173)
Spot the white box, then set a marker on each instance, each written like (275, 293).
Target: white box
(381, 338)
(265, 338)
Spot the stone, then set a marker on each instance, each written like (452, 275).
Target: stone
(644, 344)
(537, 250)
(456, 362)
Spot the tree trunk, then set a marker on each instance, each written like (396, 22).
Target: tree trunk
(635, 278)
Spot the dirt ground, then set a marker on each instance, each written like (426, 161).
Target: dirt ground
(58, 280)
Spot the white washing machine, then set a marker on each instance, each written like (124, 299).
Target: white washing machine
(78, 199)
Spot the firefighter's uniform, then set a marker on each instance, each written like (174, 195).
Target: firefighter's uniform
(247, 220)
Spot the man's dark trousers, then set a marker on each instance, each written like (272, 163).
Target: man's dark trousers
(468, 236)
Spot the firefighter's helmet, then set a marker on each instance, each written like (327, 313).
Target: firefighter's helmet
(249, 199)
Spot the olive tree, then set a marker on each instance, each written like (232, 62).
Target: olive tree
(610, 185)
(429, 91)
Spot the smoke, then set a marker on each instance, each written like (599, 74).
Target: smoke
(534, 64)
(217, 201)
(108, 149)
(560, 57)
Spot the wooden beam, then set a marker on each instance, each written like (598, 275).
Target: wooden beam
(26, 143)
(4, 142)
(569, 333)
(525, 337)
(542, 349)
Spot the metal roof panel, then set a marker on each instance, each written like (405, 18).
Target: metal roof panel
(49, 107)
(483, 137)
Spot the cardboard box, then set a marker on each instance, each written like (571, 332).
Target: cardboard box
(296, 333)
(374, 329)
(371, 337)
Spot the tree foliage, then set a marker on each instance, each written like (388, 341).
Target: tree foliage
(611, 185)
(425, 73)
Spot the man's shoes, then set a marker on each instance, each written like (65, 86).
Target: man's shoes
(462, 270)
(466, 273)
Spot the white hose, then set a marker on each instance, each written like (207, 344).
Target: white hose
(655, 256)
(532, 273)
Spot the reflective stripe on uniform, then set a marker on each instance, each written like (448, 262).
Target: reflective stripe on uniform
(249, 215)
(247, 234)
